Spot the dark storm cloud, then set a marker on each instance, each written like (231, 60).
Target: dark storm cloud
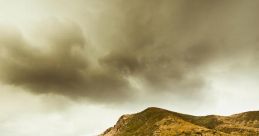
(153, 44)
(60, 67)
(169, 45)
(166, 45)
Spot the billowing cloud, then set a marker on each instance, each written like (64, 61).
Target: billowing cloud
(59, 67)
(163, 46)
(170, 45)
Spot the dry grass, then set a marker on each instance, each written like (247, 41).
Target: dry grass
(160, 122)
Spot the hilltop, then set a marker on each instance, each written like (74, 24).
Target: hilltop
(160, 122)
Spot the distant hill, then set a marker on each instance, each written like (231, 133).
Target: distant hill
(159, 122)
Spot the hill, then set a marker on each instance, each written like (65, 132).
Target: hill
(160, 122)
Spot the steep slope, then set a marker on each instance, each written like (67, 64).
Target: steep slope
(159, 122)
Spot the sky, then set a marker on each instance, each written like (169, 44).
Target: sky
(72, 68)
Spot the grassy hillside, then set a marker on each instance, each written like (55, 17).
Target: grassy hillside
(160, 122)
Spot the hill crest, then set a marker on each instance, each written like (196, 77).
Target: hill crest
(155, 121)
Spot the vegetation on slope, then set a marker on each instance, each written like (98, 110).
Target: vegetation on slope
(160, 122)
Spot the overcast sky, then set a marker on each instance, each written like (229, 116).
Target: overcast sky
(72, 68)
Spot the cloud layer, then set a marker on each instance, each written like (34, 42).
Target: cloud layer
(59, 67)
(155, 46)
